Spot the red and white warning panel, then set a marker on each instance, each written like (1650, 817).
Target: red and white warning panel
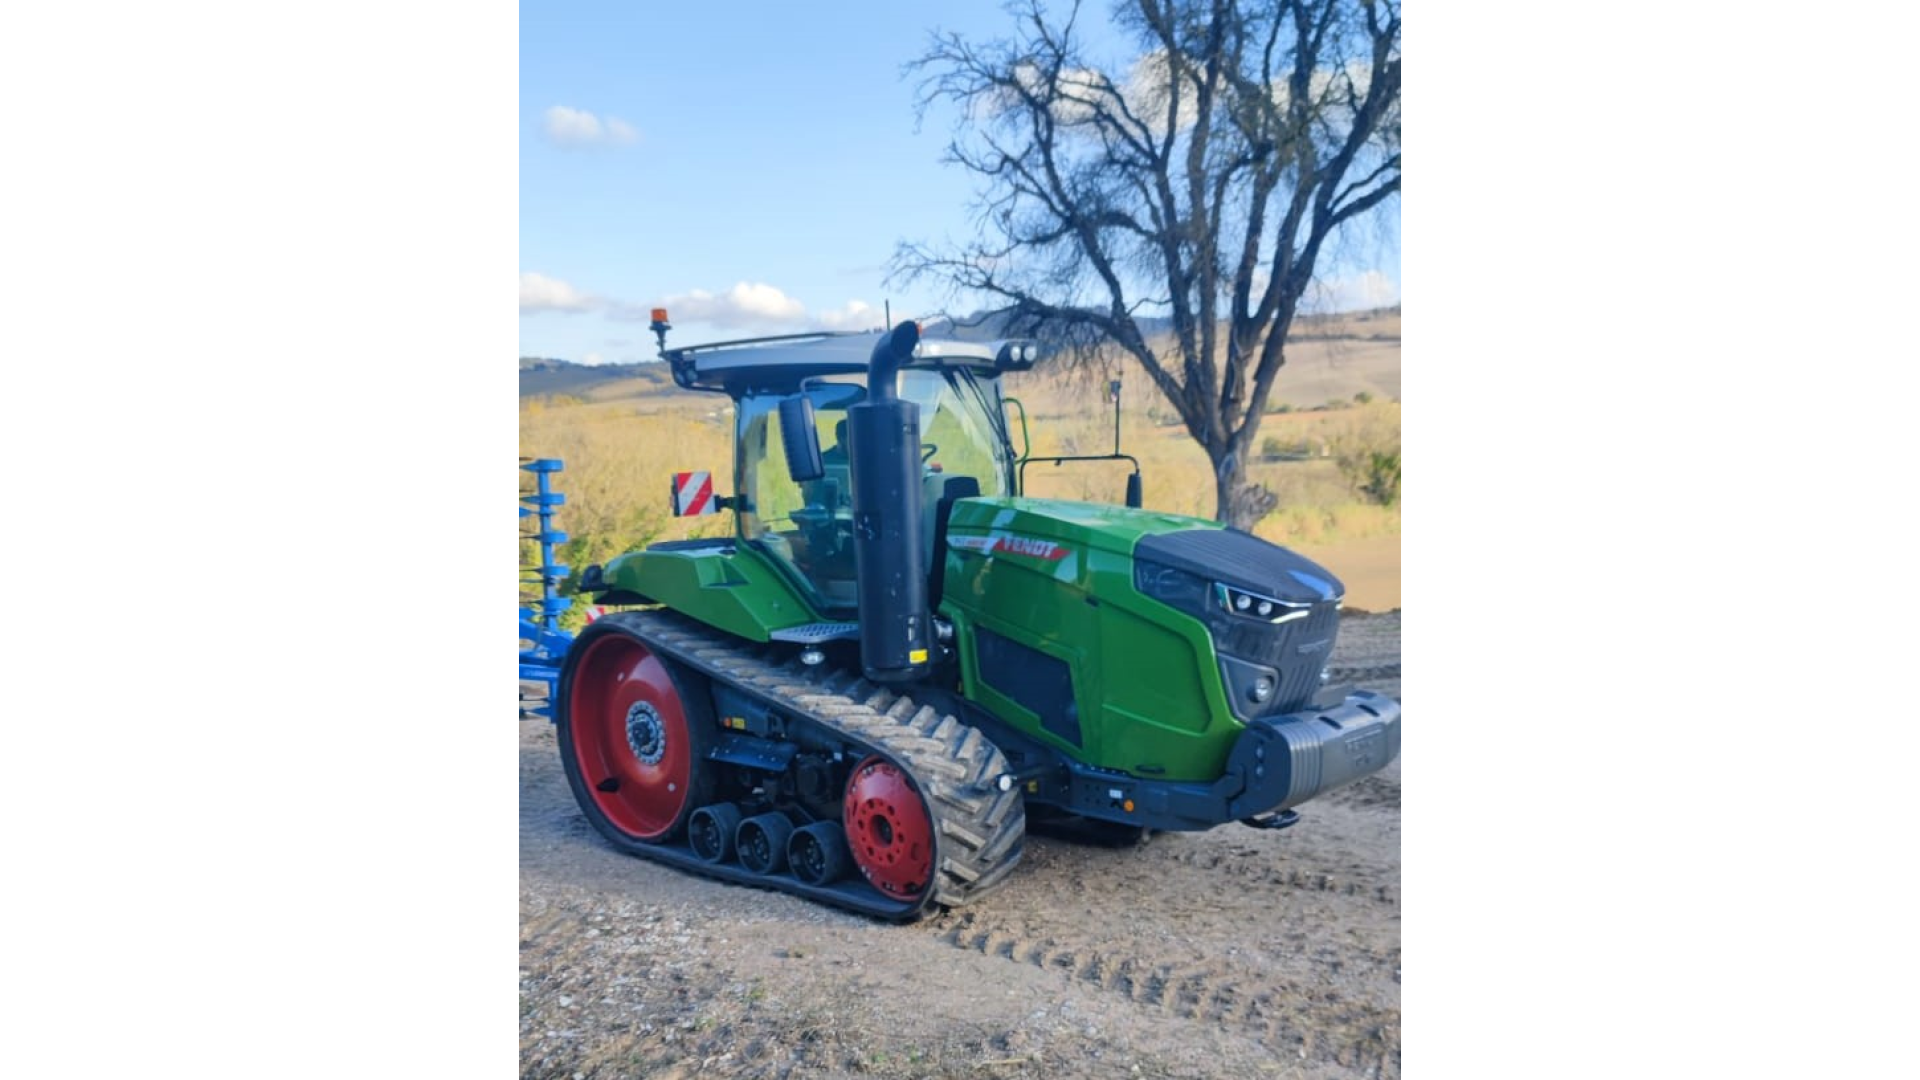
(693, 494)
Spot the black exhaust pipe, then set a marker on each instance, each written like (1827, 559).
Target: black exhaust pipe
(895, 629)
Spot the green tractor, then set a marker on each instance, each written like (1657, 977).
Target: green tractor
(863, 694)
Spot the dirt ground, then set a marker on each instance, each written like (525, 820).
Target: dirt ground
(1230, 953)
(1370, 569)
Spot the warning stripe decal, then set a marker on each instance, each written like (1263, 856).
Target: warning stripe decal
(693, 494)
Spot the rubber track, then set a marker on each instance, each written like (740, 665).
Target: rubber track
(980, 832)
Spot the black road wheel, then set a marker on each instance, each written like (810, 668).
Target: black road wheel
(762, 841)
(710, 831)
(818, 853)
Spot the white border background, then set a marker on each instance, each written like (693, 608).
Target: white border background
(260, 426)
(260, 421)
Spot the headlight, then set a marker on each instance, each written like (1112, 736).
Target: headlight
(1255, 606)
(1175, 588)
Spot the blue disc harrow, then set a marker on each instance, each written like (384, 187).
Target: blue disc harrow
(543, 645)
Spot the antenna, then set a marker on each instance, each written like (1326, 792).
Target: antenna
(888, 305)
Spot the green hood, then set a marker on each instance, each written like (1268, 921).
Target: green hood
(1074, 525)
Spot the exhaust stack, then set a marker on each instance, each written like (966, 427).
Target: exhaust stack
(895, 628)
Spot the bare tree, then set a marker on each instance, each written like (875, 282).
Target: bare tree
(1194, 190)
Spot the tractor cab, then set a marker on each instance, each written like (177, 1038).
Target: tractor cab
(808, 524)
(801, 513)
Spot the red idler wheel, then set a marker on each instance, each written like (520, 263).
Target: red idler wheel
(631, 755)
(889, 829)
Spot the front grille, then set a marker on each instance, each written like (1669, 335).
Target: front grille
(1281, 648)
(1180, 570)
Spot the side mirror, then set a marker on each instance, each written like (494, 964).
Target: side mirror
(1133, 490)
(801, 439)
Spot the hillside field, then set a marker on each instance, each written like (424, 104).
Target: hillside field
(624, 430)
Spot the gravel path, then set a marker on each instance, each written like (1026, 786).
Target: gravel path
(1230, 953)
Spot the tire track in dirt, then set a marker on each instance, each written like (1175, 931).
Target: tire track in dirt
(1365, 673)
(1287, 877)
(1293, 1007)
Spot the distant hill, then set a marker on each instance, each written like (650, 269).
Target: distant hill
(541, 377)
(1329, 356)
(1378, 324)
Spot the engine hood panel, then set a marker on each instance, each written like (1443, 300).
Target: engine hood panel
(1074, 524)
(1244, 561)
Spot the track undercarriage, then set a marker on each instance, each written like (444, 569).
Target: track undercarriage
(693, 748)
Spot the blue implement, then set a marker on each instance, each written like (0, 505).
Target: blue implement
(543, 645)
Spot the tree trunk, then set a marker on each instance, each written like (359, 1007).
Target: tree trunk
(1239, 502)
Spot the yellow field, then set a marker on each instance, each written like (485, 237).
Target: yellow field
(1320, 514)
(620, 458)
(623, 440)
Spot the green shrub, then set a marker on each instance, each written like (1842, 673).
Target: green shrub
(1382, 472)
(1368, 456)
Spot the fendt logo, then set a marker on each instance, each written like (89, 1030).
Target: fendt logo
(1364, 749)
(1010, 545)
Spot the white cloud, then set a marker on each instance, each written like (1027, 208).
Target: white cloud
(1149, 94)
(1079, 92)
(1076, 93)
(1369, 289)
(857, 315)
(1146, 88)
(565, 126)
(746, 305)
(751, 305)
(539, 292)
(593, 358)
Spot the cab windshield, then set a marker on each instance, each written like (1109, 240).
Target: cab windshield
(808, 526)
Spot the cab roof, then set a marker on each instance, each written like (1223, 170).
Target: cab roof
(781, 362)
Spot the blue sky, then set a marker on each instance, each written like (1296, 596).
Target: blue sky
(751, 166)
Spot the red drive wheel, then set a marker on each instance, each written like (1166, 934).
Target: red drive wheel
(630, 752)
(889, 829)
